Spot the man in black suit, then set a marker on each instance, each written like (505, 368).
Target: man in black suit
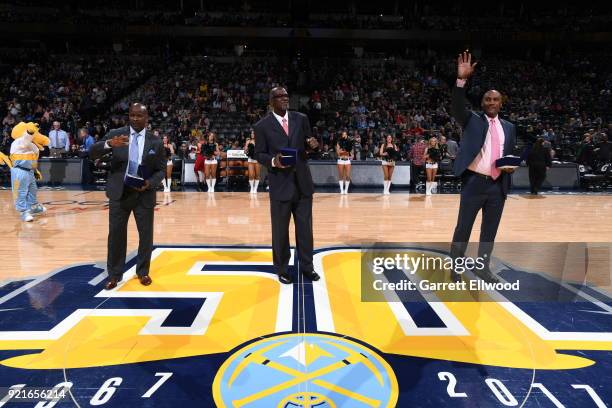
(485, 138)
(291, 187)
(136, 151)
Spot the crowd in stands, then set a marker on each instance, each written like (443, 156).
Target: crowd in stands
(73, 90)
(197, 95)
(560, 99)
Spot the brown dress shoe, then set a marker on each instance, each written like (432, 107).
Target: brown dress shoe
(145, 280)
(112, 283)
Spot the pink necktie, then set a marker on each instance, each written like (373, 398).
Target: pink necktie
(495, 150)
(286, 126)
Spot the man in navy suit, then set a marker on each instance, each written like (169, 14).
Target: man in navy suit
(291, 187)
(136, 151)
(486, 137)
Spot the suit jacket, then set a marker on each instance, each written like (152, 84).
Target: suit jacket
(153, 164)
(270, 138)
(539, 157)
(475, 127)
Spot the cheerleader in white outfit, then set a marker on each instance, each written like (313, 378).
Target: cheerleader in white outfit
(211, 151)
(389, 153)
(345, 151)
(432, 156)
(249, 149)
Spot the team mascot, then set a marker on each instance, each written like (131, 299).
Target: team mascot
(24, 168)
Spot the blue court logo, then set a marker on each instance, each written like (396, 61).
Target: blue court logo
(305, 370)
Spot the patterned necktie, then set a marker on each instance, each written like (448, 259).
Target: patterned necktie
(133, 160)
(286, 126)
(495, 150)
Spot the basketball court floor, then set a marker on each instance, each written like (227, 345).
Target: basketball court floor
(217, 329)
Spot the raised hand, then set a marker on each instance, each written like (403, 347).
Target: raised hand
(465, 68)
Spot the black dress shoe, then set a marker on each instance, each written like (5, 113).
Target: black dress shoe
(112, 283)
(486, 275)
(145, 280)
(284, 277)
(311, 275)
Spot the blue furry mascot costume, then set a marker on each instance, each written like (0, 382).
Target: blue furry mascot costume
(24, 168)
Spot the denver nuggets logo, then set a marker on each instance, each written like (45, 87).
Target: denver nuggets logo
(218, 329)
(305, 370)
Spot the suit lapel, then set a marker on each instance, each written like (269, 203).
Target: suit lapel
(483, 116)
(508, 147)
(293, 125)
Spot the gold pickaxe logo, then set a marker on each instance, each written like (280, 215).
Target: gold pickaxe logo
(343, 356)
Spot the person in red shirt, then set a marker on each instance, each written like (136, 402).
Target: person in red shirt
(416, 155)
(198, 167)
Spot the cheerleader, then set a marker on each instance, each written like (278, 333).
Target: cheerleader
(198, 167)
(211, 151)
(249, 149)
(169, 152)
(389, 153)
(432, 156)
(344, 150)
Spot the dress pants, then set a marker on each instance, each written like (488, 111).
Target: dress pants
(478, 193)
(280, 211)
(119, 214)
(537, 175)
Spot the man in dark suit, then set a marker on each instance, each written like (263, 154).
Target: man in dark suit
(138, 152)
(291, 187)
(485, 138)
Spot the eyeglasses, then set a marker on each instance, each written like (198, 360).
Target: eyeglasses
(281, 96)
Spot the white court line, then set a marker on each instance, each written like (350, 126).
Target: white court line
(536, 327)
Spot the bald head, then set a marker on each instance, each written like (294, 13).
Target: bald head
(275, 90)
(491, 102)
(279, 100)
(137, 106)
(138, 116)
(492, 92)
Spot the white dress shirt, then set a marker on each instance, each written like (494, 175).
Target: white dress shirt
(58, 139)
